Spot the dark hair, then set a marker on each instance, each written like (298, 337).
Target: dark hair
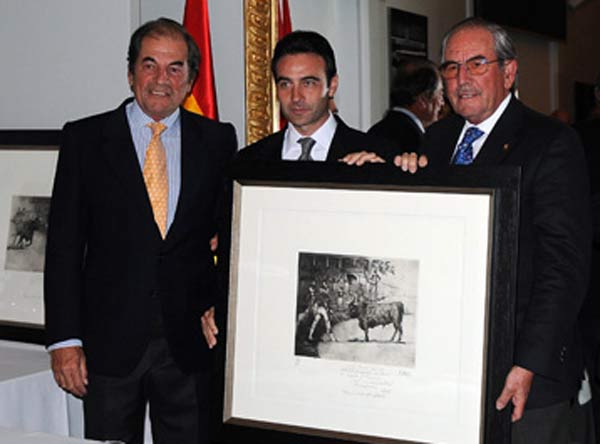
(299, 42)
(414, 76)
(503, 44)
(163, 27)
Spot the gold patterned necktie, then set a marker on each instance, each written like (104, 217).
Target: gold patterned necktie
(155, 176)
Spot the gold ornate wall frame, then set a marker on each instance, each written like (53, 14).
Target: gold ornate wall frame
(260, 34)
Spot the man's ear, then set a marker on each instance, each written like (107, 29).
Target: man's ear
(421, 101)
(510, 69)
(333, 84)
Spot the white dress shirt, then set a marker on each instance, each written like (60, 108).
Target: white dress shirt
(323, 136)
(486, 126)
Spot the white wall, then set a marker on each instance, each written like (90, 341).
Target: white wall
(66, 59)
(62, 59)
(534, 54)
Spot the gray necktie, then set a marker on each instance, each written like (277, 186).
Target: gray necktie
(306, 143)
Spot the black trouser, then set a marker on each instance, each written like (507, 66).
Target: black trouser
(563, 423)
(114, 407)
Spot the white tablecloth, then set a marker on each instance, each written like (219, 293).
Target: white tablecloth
(31, 401)
(8, 436)
(29, 398)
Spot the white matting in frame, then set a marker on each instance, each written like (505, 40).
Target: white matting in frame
(26, 177)
(437, 396)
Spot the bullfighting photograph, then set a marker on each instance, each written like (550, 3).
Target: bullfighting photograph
(356, 308)
(26, 241)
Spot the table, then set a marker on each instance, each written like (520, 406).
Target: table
(29, 398)
(8, 436)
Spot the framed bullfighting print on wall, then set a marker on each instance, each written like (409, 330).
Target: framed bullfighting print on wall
(27, 163)
(372, 306)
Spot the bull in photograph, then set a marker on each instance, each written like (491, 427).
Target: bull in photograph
(372, 314)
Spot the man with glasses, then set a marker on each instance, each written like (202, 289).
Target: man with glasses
(492, 127)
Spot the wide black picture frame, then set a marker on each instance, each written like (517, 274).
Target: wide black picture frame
(27, 144)
(501, 184)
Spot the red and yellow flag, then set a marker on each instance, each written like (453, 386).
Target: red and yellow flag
(203, 99)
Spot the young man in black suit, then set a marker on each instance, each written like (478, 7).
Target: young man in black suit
(305, 74)
(492, 127)
(417, 98)
(129, 270)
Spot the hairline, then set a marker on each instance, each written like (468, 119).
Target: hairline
(503, 45)
(165, 28)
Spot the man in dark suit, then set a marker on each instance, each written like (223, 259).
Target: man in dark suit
(417, 98)
(139, 193)
(589, 131)
(306, 79)
(491, 128)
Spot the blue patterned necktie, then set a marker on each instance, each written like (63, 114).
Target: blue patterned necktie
(306, 143)
(464, 153)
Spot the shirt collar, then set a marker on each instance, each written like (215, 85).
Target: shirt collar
(138, 118)
(322, 136)
(488, 124)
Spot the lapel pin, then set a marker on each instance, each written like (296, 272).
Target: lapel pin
(505, 147)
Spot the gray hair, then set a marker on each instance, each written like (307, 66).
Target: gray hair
(503, 43)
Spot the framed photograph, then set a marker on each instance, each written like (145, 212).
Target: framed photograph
(27, 164)
(375, 306)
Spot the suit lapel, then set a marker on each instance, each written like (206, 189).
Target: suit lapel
(339, 144)
(439, 143)
(503, 137)
(192, 164)
(119, 151)
(274, 147)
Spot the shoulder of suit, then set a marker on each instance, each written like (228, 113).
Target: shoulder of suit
(205, 122)
(349, 132)
(449, 123)
(541, 126)
(101, 121)
(352, 140)
(93, 121)
(357, 138)
(258, 148)
(342, 127)
(396, 126)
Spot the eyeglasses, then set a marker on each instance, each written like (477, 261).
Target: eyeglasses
(476, 66)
